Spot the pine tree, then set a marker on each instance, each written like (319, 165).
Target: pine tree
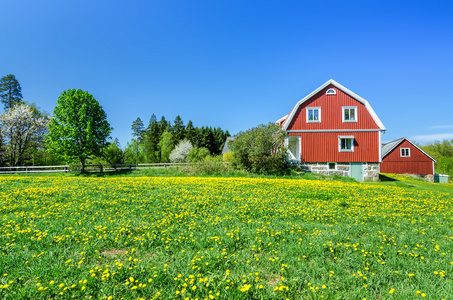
(207, 139)
(191, 134)
(219, 140)
(151, 140)
(137, 130)
(10, 91)
(163, 124)
(178, 130)
(152, 120)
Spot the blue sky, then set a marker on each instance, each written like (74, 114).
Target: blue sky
(235, 64)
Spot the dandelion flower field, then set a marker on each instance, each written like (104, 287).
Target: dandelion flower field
(222, 238)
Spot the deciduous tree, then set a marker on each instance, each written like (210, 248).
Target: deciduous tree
(197, 154)
(181, 151)
(78, 128)
(113, 153)
(166, 145)
(21, 126)
(442, 152)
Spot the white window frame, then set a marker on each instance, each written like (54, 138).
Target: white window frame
(319, 114)
(402, 150)
(342, 137)
(331, 92)
(334, 168)
(355, 114)
(297, 156)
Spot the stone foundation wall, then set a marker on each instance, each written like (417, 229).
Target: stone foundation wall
(342, 169)
(370, 170)
(429, 178)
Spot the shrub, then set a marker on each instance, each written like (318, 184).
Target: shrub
(214, 158)
(181, 151)
(209, 166)
(228, 157)
(260, 149)
(197, 154)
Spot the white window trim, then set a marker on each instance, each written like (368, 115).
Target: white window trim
(328, 167)
(408, 150)
(331, 92)
(319, 114)
(345, 137)
(355, 113)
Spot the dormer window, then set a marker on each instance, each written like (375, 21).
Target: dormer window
(350, 114)
(313, 114)
(331, 92)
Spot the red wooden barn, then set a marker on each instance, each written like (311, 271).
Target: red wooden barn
(334, 131)
(404, 157)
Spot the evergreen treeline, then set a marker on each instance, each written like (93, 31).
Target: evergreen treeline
(159, 138)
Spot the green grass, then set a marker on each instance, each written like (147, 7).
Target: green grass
(185, 172)
(124, 235)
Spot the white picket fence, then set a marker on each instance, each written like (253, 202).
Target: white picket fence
(88, 168)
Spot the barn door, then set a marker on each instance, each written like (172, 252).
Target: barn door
(357, 171)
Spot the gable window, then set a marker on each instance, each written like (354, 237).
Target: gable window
(346, 144)
(313, 114)
(350, 114)
(405, 152)
(331, 92)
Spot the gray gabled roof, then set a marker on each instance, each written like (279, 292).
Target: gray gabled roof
(388, 147)
(225, 147)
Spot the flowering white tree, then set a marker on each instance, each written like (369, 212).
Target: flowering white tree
(20, 127)
(181, 151)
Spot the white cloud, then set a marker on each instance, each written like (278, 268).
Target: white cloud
(432, 137)
(441, 126)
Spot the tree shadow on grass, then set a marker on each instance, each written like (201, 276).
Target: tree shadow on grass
(104, 173)
(386, 178)
(396, 182)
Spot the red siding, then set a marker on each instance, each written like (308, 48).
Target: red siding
(417, 163)
(331, 113)
(323, 147)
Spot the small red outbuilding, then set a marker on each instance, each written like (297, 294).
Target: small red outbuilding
(404, 157)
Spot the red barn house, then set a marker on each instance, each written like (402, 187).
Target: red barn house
(334, 131)
(404, 157)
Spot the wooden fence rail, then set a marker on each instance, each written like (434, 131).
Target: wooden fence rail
(88, 168)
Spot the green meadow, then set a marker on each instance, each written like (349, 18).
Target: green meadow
(169, 237)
